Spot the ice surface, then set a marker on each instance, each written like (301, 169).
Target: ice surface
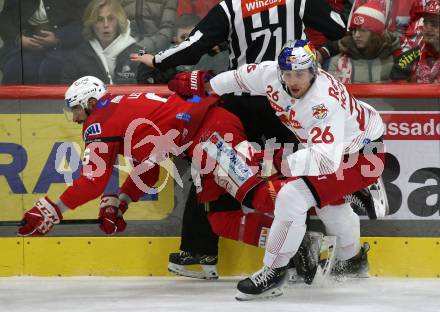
(29, 294)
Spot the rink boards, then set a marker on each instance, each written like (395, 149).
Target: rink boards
(148, 256)
(407, 243)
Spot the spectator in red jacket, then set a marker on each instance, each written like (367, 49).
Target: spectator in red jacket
(420, 57)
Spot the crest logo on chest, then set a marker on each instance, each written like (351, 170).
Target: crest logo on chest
(319, 111)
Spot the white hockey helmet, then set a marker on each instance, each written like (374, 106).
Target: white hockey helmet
(82, 90)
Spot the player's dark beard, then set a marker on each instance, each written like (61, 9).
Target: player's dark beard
(87, 111)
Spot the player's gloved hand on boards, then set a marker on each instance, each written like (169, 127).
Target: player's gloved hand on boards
(190, 83)
(110, 214)
(40, 219)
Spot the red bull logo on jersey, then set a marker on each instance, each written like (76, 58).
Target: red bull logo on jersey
(250, 7)
(320, 111)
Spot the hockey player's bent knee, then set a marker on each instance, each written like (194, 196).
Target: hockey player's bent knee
(291, 204)
(342, 222)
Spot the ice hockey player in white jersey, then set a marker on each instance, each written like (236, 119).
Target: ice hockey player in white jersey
(342, 153)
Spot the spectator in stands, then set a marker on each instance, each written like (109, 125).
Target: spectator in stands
(413, 33)
(367, 47)
(331, 48)
(420, 54)
(217, 60)
(197, 7)
(400, 17)
(385, 5)
(152, 22)
(37, 35)
(106, 52)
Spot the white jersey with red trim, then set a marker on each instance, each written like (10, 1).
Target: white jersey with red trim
(327, 119)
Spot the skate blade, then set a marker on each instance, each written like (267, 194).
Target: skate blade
(208, 271)
(326, 261)
(362, 275)
(342, 277)
(354, 275)
(271, 293)
(292, 276)
(380, 199)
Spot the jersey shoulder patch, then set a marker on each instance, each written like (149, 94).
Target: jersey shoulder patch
(92, 130)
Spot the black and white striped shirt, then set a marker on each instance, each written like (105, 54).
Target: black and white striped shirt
(255, 30)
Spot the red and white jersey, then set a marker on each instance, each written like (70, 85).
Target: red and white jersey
(327, 119)
(141, 126)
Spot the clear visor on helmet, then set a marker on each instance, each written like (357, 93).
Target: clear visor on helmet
(75, 113)
(295, 74)
(68, 113)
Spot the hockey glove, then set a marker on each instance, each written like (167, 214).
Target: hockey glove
(40, 219)
(191, 83)
(110, 214)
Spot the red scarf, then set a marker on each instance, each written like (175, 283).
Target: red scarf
(427, 70)
(344, 69)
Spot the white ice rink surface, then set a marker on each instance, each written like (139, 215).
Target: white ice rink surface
(187, 295)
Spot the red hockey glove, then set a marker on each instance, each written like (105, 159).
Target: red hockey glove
(190, 83)
(40, 219)
(110, 214)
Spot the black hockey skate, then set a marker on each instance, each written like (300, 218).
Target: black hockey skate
(363, 202)
(314, 259)
(179, 264)
(306, 258)
(265, 283)
(353, 267)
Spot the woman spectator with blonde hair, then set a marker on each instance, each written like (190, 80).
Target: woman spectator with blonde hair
(108, 44)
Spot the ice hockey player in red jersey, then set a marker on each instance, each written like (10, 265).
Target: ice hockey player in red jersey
(147, 129)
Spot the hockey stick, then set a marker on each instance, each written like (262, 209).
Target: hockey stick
(65, 222)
